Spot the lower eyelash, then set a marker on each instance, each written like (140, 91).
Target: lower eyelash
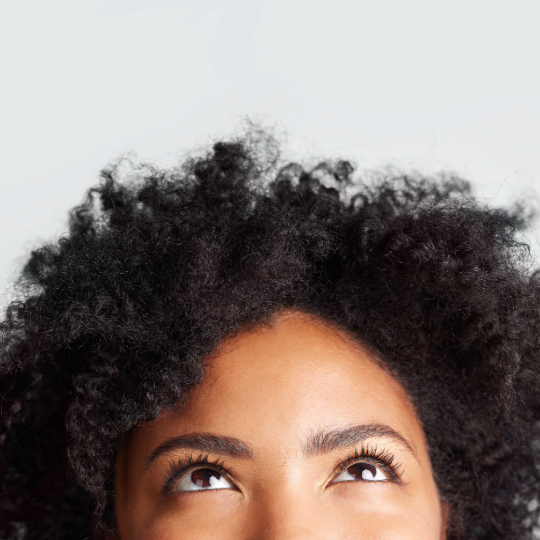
(382, 458)
(179, 468)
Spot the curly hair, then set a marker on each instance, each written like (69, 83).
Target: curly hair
(115, 319)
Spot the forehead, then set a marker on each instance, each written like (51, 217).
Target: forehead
(274, 386)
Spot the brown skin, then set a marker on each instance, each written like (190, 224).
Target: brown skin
(273, 389)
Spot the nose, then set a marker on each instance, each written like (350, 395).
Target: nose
(289, 531)
(292, 519)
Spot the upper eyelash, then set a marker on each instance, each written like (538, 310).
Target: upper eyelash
(383, 458)
(178, 468)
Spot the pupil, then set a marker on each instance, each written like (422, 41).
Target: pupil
(358, 469)
(201, 477)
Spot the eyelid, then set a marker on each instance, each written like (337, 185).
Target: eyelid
(384, 459)
(180, 468)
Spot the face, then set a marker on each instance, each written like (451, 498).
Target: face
(295, 433)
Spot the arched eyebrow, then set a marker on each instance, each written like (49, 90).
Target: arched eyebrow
(322, 442)
(203, 442)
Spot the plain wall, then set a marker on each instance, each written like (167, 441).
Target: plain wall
(417, 84)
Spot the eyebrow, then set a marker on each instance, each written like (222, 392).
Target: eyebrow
(203, 442)
(322, 442)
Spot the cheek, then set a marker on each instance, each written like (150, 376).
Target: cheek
(192, 516)
(386, 514)
(345, 514)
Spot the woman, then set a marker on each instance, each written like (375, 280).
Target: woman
(238, 350)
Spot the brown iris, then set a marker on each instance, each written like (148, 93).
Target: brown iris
(358, 469)
(201, 477)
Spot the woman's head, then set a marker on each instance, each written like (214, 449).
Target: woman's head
(142, 319)
(300, 435)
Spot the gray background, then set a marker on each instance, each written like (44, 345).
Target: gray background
(418, 84)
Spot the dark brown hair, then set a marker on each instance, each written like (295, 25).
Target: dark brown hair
(116, 318)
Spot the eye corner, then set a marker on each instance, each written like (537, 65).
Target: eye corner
(211, 475)
(180, 468)
(379, 463)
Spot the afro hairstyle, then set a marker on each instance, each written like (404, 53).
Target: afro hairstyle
(114, 320)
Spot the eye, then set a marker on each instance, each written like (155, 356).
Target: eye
(203, 479)
(362, 472)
